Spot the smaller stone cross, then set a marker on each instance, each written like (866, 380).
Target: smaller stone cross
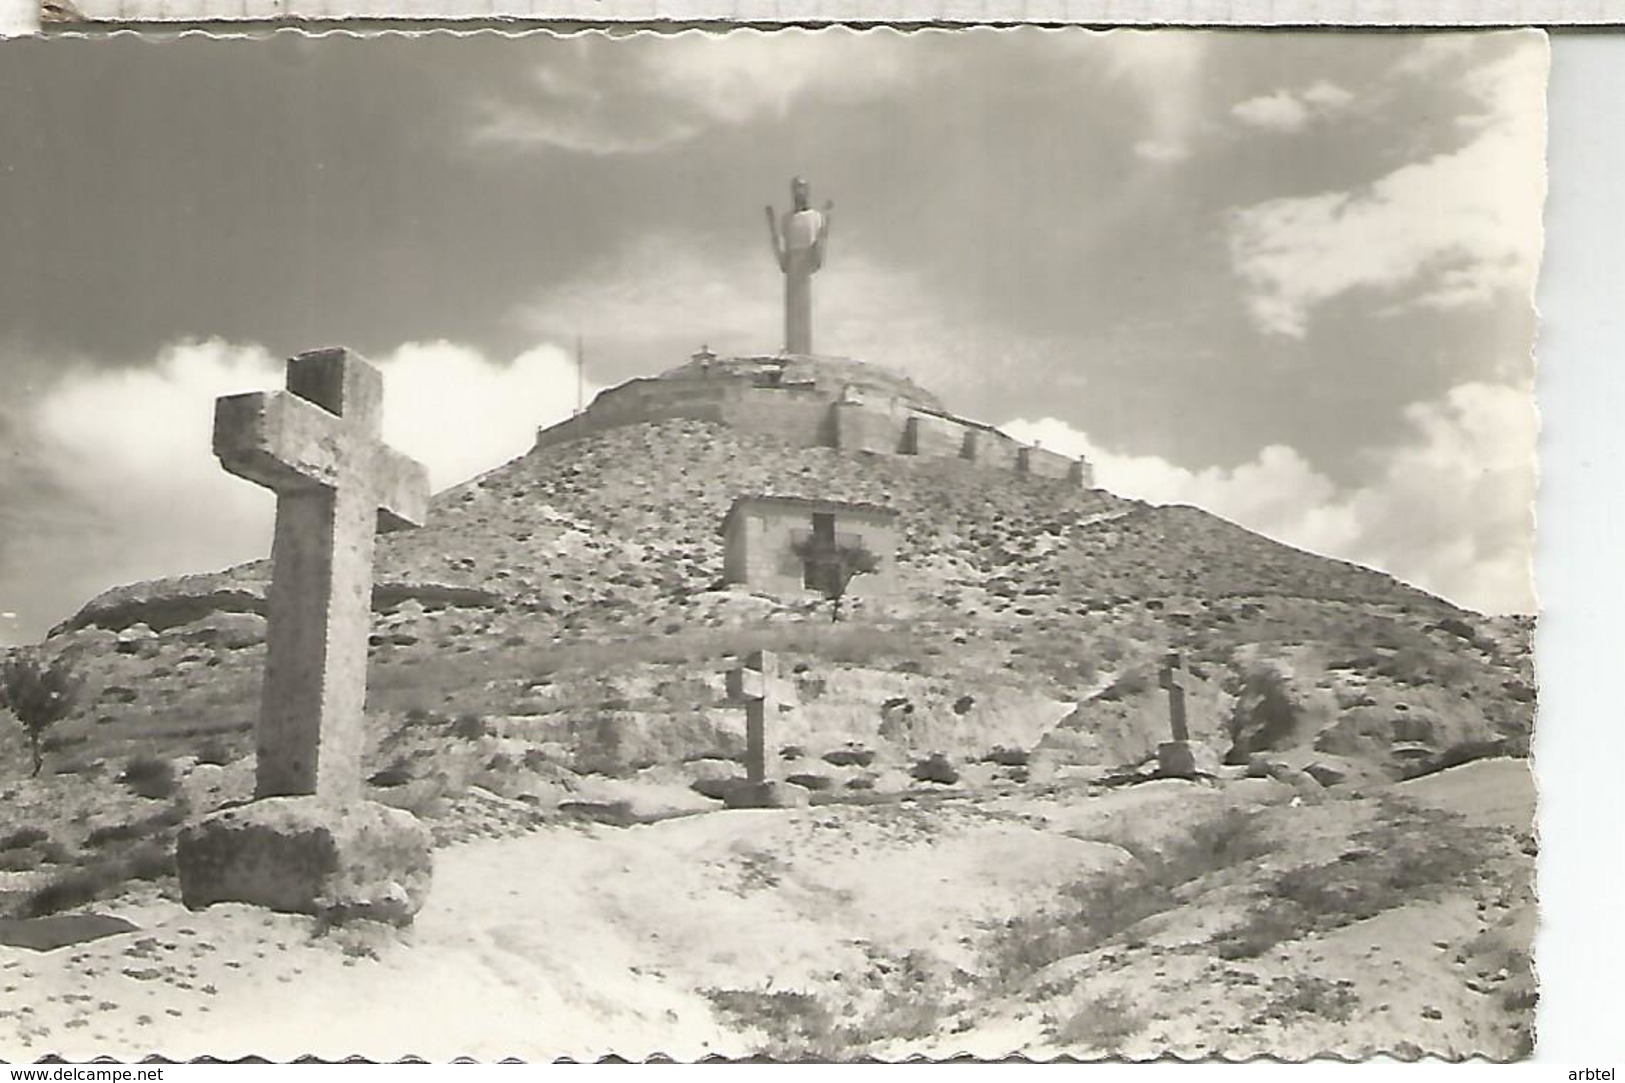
(318, 446)
(757, 682)
(1173, 681)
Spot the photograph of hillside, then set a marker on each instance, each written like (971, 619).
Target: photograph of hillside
(1056, 583)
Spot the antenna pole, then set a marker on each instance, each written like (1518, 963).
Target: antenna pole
(581, 376)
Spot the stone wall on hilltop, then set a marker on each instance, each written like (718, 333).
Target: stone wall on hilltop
(814, 402)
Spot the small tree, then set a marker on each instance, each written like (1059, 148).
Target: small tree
(39, 694)
(834, 565)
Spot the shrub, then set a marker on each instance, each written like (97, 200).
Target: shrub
(19, 860)
(150, 776)
(1409, 665)
(52, 852)
(150, 861)
(23, 836)
(469, 727)
(835, 565)
(214, 751)
(1269, 924)
(1307, 994)
(74, 887)
(936, 768)
(40, 694)
(143, 828)
(798, 1025)
(1103, 1022)
(1008, 757)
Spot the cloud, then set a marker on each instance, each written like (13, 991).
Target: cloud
(638, 96)
(1457, 229)
(137, 493)
(1164, 68)
(1290, 111)
(1450, 510)
(1281, 112)
(462, 414)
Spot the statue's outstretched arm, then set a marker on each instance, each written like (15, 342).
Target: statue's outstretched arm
(779, 252)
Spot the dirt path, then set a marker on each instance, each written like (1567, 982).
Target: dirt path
(814, 930)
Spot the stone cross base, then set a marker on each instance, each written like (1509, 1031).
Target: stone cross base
(767, 795)
(1185, 759)
(307, 855)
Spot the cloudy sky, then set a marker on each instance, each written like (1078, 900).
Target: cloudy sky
(1284, 277)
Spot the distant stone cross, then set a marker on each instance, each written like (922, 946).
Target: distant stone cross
(1173, 680)
(799, 241)
(318, 446)
(757, 683)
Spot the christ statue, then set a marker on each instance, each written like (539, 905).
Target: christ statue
(799, 239)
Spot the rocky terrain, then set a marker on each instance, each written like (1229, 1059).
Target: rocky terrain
(987, 865)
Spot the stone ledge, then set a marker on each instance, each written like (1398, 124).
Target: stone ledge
(308, 855)
(769, 794)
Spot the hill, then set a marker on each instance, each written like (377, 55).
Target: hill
(587, 574)
(552, 645)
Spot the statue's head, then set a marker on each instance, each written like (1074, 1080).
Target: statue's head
(799, 193)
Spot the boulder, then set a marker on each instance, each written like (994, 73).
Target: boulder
(717, 789)
(810, 781)
(308, 855)
(768, 794)
(1282, 771)
(226, 631)
(138, 639)
(850, 756)
(1325, 773)
(1186, 759)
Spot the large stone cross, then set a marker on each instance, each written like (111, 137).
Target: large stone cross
(318, 446)
(1173, 682)
(758, 684)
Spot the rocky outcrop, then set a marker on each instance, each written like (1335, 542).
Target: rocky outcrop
(226, 631)
(1127, 721)
(162, 604)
